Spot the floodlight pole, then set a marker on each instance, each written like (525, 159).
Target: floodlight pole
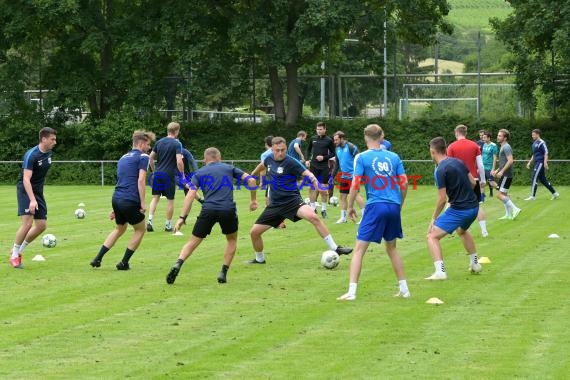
(322, 111)
(385, 106)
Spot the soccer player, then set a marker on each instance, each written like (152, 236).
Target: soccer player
(129, 199)
(32, 206)
(320, 149)
(469, 152)
(540, 159)
(170, 165)
(294, 149)
(215, 179)
(285, 200)
(455, 185)
(345, 153)
(189, 161)
(505, 175)
(490, 154)
(382, 219)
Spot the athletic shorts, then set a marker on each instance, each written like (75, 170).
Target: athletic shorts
(163, 185)
(504, 184)
(380, 221)
(452, 219)
(206, 220)
(24, 203)
(323, 176)
(127, 212)
(344, 186)
(477, 191)
(489, 177)
(274, 215)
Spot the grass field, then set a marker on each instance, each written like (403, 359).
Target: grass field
(61, 319)
(475, 14)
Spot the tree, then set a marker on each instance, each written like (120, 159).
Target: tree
(536, 34)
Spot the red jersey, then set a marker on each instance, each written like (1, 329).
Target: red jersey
(467, 151)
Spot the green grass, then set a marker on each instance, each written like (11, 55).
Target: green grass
(475, 14)
(61, 319)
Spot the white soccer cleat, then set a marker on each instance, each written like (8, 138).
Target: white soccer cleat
(531, 198)
(437, 276)
(347, 297)
(341, 221)
(475, 268)
(555, 196)
(484, 233)
(516, 213)
(401, 294)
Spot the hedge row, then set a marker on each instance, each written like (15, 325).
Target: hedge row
(110, 138)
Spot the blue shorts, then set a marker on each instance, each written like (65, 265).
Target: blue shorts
(380, 221)
(452, 219)
(24, 203)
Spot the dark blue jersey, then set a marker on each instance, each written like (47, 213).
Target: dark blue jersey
(282, 179)
(190, 165)
(39, 163)
(217, 181)
(166, 150)
(452, 174)
(128, 175)
(539, 150)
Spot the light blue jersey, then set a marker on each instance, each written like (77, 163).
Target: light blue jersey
(383, 172)
(345, 156)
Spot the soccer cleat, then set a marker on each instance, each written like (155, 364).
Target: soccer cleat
(555, 196)
(324, 214)
(343, 250)
(95, 263)
(475, 268)
(17, 262)
(222, 278)
(123, 266)
(168, 229)
(484, 234)
(516, 213)
(341, 220)
(505, 217)
(403, 294)
(347, 297)
(437, 276)
(149, 227)
(531, 198)
(254, 261)
(171, 276)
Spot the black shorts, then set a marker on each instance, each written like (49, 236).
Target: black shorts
(163, 184)
(274, 215)
(227, 219)
(323, 176)
(504, 184)
(477, 191)
(24, 203)
(127, 212)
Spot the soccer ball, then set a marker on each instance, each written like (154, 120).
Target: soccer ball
(49, 241)
(330, 259)
(307, 201)
(80, 213)
(333, 201)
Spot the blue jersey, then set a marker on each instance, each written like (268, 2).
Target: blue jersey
(166, 150)
(539, 150)
(189, 160)
(128, 175)
(345, 156)
(291, 150)
(386, 145)
(216, 180)
(453, 175)
(382, 171)
(39, 163)
(282, 179)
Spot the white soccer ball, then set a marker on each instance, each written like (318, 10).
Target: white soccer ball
(330, 259)
(333, 201)
(49, 241)
(80, 213)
